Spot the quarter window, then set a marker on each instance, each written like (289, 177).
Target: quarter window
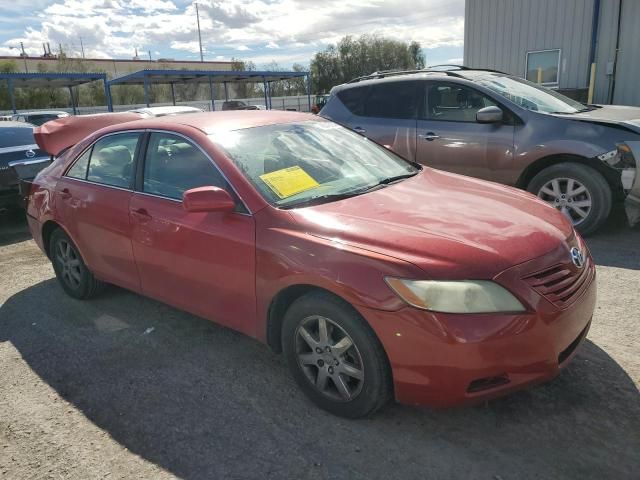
(79, 169)
(542, 67)
(391, 100)
(353, 99)
(454, 103)
(174, 165)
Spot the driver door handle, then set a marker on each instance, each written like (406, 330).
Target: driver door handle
(359, 130)
(141, 214)
(429, 136)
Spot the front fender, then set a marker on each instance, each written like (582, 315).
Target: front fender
(632, 202)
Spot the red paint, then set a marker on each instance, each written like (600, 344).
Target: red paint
(229, 266)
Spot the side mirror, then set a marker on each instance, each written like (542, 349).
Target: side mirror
(489, 115)
(207, 199)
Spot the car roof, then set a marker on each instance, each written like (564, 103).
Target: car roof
(42, 112)
(167, 110)
(210, 122)
(14, 124)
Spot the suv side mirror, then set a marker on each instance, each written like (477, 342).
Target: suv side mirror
(489, 115)
(207, 199)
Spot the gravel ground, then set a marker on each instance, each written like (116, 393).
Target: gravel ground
(126, 387)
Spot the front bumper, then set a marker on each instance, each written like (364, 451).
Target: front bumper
(632, 202)
(443, 360)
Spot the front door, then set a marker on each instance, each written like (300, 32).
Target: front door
(200, 262)
(93, 201)
(450, 138)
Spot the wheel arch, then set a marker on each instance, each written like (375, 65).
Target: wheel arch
(610, 175)
(47, 229)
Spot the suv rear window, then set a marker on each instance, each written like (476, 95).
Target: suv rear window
(353, 99)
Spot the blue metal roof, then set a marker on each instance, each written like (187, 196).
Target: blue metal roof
(202, 76)
(51, 79)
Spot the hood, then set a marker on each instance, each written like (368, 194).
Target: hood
(449, 225)
(628, 117)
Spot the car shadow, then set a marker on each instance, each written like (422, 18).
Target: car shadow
(615, 244)
(13, 228)
(202, 401)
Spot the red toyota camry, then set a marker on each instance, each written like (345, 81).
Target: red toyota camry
(377, 278)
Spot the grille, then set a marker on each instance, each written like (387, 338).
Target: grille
(562, 284)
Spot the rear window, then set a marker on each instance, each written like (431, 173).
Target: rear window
(13, 137)
(353, 99)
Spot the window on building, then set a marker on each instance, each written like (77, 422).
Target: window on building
(543, 67)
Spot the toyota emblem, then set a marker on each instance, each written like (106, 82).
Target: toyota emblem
(30, 153)
(577, 257)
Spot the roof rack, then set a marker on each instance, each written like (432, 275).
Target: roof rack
(460, 67)
(392, 73)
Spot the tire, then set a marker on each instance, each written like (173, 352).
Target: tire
(588, 187)
(72, 273)
(361, 368)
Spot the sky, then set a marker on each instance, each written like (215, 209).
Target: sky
(263, 31)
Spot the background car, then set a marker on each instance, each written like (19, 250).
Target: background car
(20, 158)
(295, 231)
(240, 105)
(38, 117)
(498, 127)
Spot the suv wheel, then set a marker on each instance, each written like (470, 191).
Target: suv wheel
(335, 357)
(578, 191)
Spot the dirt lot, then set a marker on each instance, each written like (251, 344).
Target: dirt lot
(125, 387)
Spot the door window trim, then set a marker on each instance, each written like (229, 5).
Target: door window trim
(139, 171)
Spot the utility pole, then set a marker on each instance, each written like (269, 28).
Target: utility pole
(82, 47)
(149, 55)
(24, 57)
(199, 34)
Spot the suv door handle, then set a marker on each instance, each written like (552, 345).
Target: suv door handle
(359, 130)
(429, 136)
(141, 214)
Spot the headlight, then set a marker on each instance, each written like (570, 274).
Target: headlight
(468, 296)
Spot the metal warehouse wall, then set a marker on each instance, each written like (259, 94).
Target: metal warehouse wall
(499, 33)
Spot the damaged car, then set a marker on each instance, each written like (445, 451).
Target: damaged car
(490, 125)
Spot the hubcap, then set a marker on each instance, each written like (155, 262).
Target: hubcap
(569, 196)
(68, 263)
(329, 358)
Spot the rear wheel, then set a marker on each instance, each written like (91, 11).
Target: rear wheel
(580, 192)
(71, 271)
(335, 357)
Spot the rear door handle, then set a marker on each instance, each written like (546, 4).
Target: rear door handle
(429, 136)
(359, 130)
(141, 214)
(65, 193)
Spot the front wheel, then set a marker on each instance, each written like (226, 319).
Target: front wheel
(335, 357)
(580, 192)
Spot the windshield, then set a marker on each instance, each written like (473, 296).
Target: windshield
(300, 163)
(531, 96)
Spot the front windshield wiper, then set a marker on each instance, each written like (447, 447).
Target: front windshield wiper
(328, 197)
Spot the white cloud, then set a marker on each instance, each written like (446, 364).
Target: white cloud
(455, 61)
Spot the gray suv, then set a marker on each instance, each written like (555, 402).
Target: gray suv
(490, 125)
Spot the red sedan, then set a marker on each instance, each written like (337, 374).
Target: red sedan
(376, 277)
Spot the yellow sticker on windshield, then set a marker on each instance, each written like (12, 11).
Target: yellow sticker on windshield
(289, 181)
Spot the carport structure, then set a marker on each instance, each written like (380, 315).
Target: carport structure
(173, 77)
(54, 80)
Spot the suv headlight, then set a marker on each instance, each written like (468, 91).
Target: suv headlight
(466, 296)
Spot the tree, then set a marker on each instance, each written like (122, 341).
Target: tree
(352, 58)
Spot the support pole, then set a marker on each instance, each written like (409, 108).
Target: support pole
(12, 96)
(592, 83)
(266, 102)
(226, 92)
(107, 94)
(146, 90)
(309, 91)
(73, 102)
(213, 95)
(173, 94)
(270, 98)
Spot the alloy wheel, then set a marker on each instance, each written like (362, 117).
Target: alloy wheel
(569, 196)
(329, 358)
(69, 264)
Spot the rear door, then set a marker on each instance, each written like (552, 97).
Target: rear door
(201, 262)
(93, 198)
(386, 113)
(449, 137)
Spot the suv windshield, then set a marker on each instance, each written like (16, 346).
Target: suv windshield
(531, 96)
(298, 164)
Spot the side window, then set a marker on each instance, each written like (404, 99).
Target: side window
(79, 168)
(353, 99)
(173, 165)
(111, 160)
(454, 103)
(391, 100)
